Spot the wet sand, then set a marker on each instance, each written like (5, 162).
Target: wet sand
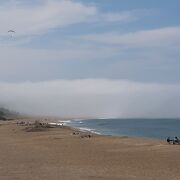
(57, 154)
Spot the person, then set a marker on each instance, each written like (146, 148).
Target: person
(176, 140)
(169, 140)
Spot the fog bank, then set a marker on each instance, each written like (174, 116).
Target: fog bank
(92, 98)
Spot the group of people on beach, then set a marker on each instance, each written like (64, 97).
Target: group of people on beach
(175, 140)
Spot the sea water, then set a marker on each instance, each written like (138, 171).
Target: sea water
(150, 128)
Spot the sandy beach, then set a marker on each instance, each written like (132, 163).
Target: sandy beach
(58, 154)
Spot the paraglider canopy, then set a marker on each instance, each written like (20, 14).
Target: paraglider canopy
(11, 32)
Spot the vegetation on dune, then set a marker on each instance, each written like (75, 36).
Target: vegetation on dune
(6, 114)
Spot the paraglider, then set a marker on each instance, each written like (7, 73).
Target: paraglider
(11, 32)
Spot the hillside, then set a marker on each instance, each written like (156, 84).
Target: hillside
(6, 114)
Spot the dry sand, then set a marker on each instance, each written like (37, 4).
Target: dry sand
(56, 154)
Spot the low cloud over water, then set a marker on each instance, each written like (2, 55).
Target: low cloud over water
(92, 98)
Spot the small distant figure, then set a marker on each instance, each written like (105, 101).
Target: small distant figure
(176, 140)
(11, 32)
(169, 140)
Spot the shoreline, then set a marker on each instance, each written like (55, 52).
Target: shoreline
(88, 130)
(115, 136)
(84, 129)
(57, 153)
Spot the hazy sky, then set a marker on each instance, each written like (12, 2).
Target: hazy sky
(104, 45)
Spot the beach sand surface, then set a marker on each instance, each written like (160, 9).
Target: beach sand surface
(57, 154)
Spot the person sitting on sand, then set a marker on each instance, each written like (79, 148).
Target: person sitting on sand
(169, 140)
(176, 140)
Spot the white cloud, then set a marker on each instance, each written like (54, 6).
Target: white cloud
(92, 98)
(50, 14)
(17, 64)
(43, 17)
(147, 38)
(11, 54)
(119, 17)
(126, 16)
(89, 61)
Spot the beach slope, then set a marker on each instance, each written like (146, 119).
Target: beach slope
(58, 154)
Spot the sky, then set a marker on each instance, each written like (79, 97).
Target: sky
(87, 58)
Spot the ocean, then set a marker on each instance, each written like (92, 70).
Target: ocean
(149, 128)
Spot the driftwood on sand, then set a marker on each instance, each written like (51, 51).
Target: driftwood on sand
(38, 125)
